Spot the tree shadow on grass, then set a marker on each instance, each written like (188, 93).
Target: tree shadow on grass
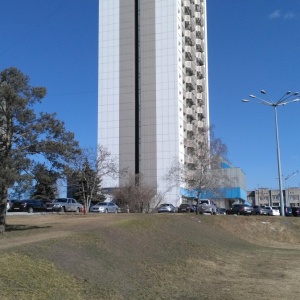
(23, 227)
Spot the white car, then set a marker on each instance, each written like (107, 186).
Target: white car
(273, 210)
(105, 207)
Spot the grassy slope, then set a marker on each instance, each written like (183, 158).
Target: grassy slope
(151, 257)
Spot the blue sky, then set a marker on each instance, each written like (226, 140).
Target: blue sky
(252, 45)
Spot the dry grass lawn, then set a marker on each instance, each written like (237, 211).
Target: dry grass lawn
(155, 256)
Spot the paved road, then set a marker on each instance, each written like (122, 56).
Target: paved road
(22, 213)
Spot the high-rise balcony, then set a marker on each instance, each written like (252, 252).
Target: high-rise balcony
(190, 159)
(200, 124)
(190, 143)
(199, 99)
(199, 42)
(191, 50)
(191, 127)
(190, 65)
(201, 70)
(199, 82)
(187, 18)
(187, 3)
(187, 33)
(200, 110)
(197, 15)
(200, 55)
(190, 81)
(191, 113)
(188, 95)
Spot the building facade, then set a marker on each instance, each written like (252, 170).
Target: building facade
(269, 197)
(153, 84)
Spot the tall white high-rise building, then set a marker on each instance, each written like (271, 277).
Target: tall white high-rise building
(153, 84)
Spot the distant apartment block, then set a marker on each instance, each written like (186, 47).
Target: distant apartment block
(265, 196)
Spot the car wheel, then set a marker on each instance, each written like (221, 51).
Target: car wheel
(77, 210)
(106, 211)
(62, 209)
(116, 211)
(238, 213)
(30, 210)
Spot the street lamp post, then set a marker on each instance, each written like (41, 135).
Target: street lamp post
(288, 97)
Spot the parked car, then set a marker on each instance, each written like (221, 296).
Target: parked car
(273, 210)
(186, 208)
(64, 205)
(170, 208)
(29, 205)
(296, 211)
(240, 209)
(105, 207)
(207, 206)
(260, 210)
(221, 211)
(287, 211)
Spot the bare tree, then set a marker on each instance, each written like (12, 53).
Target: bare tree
(136, 195)
(87, 171)
(202, 169)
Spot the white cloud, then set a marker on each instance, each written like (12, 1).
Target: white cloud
(289, 15)
(275, 14)
(278, 14)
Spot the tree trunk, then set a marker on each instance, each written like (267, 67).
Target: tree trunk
(3, 200)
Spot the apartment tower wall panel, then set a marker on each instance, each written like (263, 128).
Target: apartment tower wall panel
(153, 86)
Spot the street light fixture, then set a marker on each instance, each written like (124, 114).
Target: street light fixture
(287, 98)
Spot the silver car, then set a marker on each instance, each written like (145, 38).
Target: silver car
(105, 207)
(166, 208)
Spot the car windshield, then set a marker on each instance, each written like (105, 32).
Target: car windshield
(64, 200)
(163, 205)
(274, 207)
(101, 204)
(204, 202)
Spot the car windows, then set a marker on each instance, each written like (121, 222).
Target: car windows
(111, 204)
(204, 202)
(63, 200)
